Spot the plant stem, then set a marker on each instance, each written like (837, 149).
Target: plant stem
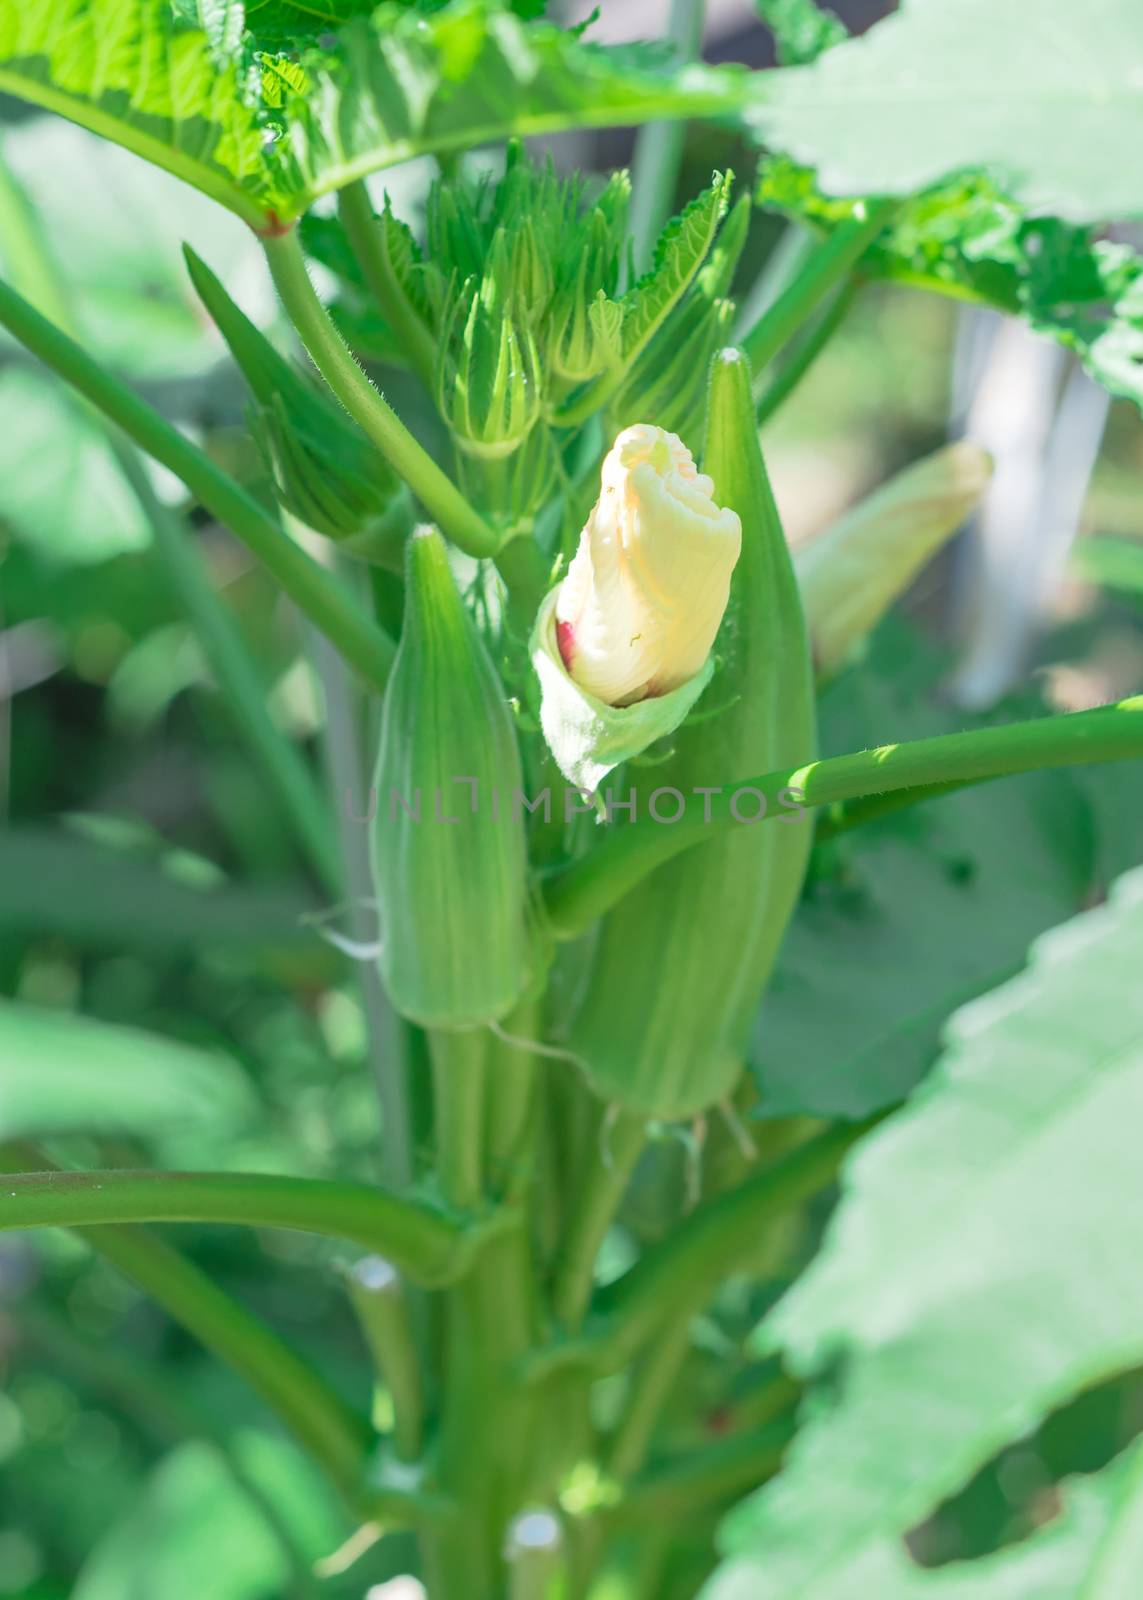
(825, 268)
(333, 1434)
(659, 145)
(314, 592)
(616, 1148)
(575, 895)
(426, 1245)
(511, 1091)
(722, 1472)
(676, 1277)
(459, 1092)
(379, 1300)
(362, 229)
(650, 1387)
(807, 351)
(365, 404)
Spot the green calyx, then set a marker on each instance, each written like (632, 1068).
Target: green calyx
(681, 963)
(448, 841)
(324, 471)
(488, 376)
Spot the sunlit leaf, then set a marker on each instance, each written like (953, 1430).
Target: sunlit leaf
(982, 1269)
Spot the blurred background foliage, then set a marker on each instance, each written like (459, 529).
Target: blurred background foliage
(149, 881)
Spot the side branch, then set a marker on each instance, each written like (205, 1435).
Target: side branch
(576, 894)
(424, 1244)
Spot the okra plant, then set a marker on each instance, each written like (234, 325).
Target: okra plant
(569, 646)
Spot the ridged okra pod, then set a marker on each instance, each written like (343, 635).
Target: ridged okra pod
(448, 836)
(681, 963)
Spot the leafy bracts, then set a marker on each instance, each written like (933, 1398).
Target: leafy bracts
(324, 471)
(681, 962)
(448, 836)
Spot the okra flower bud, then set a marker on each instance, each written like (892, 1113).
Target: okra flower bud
(851, 574)
(640, 606)
(449, 853)
(488, 378)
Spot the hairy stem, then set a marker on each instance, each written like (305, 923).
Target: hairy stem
(363, 231)
(458, 520)
(575, 895)
(426, 1245)
(317, 595)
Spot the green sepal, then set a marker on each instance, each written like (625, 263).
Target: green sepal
(457, 946)
(681, 963)
(588, 738)
(488, 373)
(324, 470)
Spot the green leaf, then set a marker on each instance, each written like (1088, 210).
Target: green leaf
(391, 85)
(400, 85)
(965, 238)
(1015, 87)
(82, 511)
(190, 1534)
(64, 1073)
(802, 29)
(1089, 1551)
(982, 1269)
(682, 248)
(129, 71)
(912, 916)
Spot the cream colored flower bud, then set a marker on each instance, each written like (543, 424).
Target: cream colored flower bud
(640, 606)
(851, 574)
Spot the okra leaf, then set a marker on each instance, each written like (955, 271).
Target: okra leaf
(1013, 87)
(1085, 1550)
(200, 1525)
(66, 1074)
(967, 239)
(340, 103)
(132, 72)
(981, 1270)
(802, 29)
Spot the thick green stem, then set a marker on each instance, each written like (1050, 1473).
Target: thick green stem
(326, 1427)
(511, 1080)
(428, 1246)
(616, 1146)
(577, 894)
(459, 1077)
(317, 595)
(379, 1299)
(333, 358)
(829, 264)
(363, 231)
(806, 352)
